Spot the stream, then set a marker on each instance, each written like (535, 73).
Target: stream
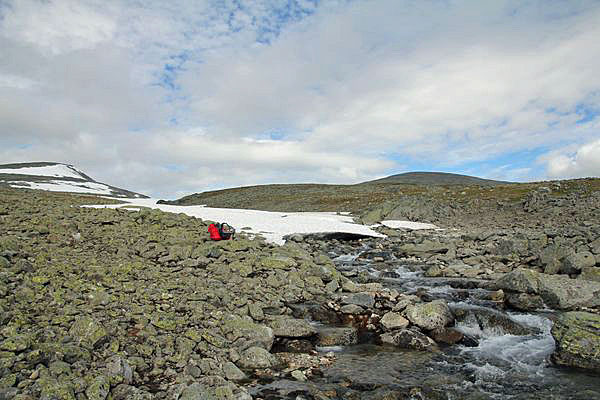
(496, 364)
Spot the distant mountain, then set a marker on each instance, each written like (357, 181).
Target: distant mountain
(437, 178)
(57, 177)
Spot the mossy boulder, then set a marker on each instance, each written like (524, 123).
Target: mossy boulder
(430, 316)
(577, 336)
(88, 332)
(292, 328)
(557, 291)
(252, 333)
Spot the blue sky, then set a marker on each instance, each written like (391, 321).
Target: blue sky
(170, 98)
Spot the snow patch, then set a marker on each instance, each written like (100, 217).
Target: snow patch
(56, 171)
(65, 186)
(273, 226)
(395, 224)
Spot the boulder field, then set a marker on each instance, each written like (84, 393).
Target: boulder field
(140, 304)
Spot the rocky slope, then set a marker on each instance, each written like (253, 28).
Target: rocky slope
(99, 303)
(57, 177)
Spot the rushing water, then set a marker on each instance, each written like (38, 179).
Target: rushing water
(500, 366)
(496, 364)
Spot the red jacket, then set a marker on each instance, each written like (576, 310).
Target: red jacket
(214, 232)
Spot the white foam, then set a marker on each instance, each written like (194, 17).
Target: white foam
(327, 349)
(56, 171)
(273, 226)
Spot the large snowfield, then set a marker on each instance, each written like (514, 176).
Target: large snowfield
(65, 186)
(273, 226)
(56, 171)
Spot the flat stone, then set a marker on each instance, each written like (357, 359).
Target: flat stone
(366, 300)
(392, 320)
(337, 336)
(292, 328)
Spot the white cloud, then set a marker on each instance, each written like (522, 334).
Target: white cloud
(154, 95)
(57, 26)
(583, 162)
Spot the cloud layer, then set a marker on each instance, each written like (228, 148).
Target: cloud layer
(172, 98)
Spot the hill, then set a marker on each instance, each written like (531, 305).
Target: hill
(57, 177)
(437, 178)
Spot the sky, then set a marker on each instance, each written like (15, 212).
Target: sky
(172, 98)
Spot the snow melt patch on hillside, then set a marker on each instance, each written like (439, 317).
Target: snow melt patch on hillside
(65, 186)
(273, 226)
(394, 224)
(56, 171)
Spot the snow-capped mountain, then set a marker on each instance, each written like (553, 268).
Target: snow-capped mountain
(57, 177)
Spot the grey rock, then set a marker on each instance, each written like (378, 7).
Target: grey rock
(126, 392)
(98, 389)
(196, 391)
(429, 316)
(524, 301)
(490, 322)
(352, 309)
(88, 332)
(409, 339)
(233, 373)
(344, 336)
(119, 370)
(257, 357)
(392, 320)
(292, 328)
(574, 263)
(577, 336)
(590, 274)
(366, 300)
(557, 291)
(254, 334)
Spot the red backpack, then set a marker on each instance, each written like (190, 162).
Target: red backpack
(214, 232)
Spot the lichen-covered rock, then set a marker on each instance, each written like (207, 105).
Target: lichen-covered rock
(574, 263)
(392, 320)
(88, 332)
(409, 339)
(490, 322)
(252, 333)
(430, 316)
(233, 373)
(127, 392)
(366, 300)
(16, 343)
(557, 291)
(292, 328)
(257, 357)
(577, 336)
(590, 273)
(344, 336)
(98, 389)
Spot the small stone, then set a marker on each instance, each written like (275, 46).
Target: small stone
(392, 320)
(88, 332)
(16, 343)
(299, 376)
(292, 328)
(257, 357)
(352, 309)
(98, 389)
(233, 373)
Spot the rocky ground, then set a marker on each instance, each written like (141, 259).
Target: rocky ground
(98, 304)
